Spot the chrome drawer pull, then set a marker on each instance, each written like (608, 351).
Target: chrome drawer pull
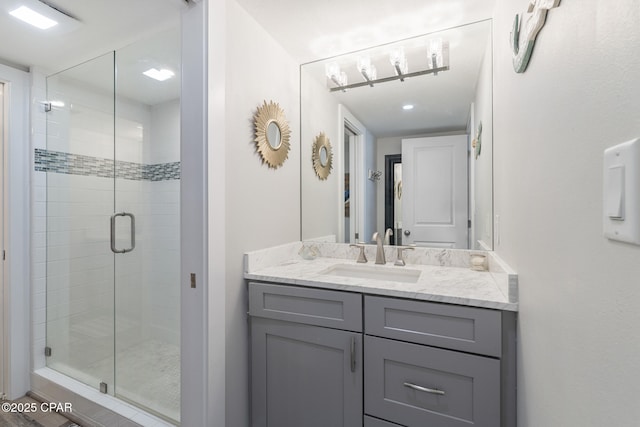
(426, 390)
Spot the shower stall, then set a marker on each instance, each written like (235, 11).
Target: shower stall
(112, 164)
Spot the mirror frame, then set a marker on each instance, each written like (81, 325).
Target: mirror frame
(266, 114)
(322, 170)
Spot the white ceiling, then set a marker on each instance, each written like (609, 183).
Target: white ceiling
(105, 25)
(308, 30)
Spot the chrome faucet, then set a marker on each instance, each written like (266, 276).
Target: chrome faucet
(380, 250)
(387, 236)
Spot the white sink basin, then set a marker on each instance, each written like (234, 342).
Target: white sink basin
(374, 272)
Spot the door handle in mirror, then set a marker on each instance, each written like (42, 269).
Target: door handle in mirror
(407, 232)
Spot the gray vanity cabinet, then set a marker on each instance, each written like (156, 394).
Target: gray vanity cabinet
(303, 374)
(323, 358)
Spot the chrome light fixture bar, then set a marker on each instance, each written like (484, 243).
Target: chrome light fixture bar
(433, 71)
(437, 61)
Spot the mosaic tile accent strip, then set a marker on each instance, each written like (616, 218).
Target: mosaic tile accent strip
(76, 164)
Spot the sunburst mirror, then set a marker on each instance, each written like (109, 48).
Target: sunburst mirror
(322, 156)
(272, 134)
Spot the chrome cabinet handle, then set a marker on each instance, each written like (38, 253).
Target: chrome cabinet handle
(353, 354)
(113, 233)
(424, 389)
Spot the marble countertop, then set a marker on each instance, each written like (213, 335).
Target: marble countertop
(448, 281)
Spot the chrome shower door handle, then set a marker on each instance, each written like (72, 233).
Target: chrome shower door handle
(113, 233)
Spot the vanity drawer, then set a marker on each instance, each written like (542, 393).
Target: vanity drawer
(331, 309)
(469, 329)
(419, 386)
(374, 422)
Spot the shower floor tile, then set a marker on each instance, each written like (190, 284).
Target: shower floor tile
(148, 375)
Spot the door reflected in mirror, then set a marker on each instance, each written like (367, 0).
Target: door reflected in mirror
(420, 194)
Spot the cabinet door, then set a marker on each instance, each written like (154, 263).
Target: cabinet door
(305, 375)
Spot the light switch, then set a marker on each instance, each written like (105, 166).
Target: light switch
(615, 193)
(621, 199)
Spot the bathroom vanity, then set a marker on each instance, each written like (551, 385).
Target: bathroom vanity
(337, 343)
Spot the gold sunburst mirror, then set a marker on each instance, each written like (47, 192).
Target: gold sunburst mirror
(322, 156)
(272, 134)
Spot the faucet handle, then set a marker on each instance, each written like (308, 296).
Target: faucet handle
(387, 236)
(399, 259)
(362, 258)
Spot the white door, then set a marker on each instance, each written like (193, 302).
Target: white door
(435, 203)
(351, 188)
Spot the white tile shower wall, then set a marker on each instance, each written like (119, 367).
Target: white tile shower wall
(165, 131)
(79, 272)
(163, 275)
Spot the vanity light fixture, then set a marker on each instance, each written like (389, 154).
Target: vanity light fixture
(160, 75)
(367, 69)
(32, 17)
(438, 60)
(399, 62)
(339, 78)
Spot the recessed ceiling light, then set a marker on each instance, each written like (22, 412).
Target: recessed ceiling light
(160, 75)
(407, 107)
(32, 17)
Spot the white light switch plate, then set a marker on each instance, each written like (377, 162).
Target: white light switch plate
(621, 199)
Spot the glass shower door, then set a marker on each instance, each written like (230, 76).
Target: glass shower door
(79, 161)
(113, 225)
(147, 189)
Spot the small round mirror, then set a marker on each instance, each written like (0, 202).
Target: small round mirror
(321, 156)
(273, 135)
(324, 157)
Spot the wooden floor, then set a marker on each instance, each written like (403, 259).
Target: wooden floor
(33, 419)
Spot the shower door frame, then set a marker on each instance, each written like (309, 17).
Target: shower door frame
(4, 342)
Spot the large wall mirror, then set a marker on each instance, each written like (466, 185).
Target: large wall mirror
(403, 151)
